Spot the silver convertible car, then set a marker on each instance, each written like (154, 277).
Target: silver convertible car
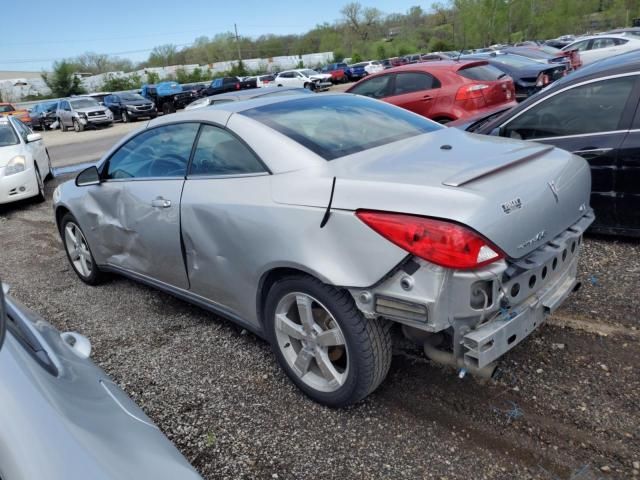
(322, 221)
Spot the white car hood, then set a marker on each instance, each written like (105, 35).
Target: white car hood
(7, 153)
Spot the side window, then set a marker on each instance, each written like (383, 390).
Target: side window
(620, 41)
(217, 83)
(158, 152)
(591, 108)
(603, 43)
(220, 153)
(376, 87)
(581, 46)
(413, 82)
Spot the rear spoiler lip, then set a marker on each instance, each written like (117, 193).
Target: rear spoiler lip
(474, 173)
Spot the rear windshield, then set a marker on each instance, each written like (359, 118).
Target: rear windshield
(483, 73)
(7, 135)
(6, 108)
(515, 60)
(335, 126)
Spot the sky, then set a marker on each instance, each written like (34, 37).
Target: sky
(46, 30)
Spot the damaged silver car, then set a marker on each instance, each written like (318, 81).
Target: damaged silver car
(321, 222)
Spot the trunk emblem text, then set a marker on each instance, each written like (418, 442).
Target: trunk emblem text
(539, 236)
(512, 205)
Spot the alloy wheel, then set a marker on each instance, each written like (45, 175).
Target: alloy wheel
(311, 342)
(78, 249)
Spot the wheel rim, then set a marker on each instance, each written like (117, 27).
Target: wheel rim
(78, 249)
(311, 342)
(76, 126)
(124, 117)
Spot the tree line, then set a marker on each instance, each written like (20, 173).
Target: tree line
(365, 32)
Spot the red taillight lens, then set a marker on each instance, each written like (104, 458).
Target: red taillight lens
(237, 86)
(469, 92)
(443, 243)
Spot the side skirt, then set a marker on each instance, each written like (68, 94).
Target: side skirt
(186, 296)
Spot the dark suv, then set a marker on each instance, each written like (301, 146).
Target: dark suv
(43, 115)
(130, 106)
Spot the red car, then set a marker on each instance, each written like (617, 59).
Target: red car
(442, 91)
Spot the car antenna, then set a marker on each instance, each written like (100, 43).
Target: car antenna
(464, 45)
(327, 213)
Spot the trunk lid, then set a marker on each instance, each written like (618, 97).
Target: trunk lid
(518, 195)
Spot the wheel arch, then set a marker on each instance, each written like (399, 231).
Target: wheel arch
(271, 276)
(61, 211)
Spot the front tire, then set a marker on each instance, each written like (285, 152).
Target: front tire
(124, 117)
(78, 251)
(40, 197)
(323, 342)
(77, 126)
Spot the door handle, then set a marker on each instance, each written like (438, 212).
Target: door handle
(161, 203)
(427, 98)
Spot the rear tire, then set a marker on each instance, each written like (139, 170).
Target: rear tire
(337, 368)
(62, 126)
(78, 251)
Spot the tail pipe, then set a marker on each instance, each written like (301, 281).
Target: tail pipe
(446, 358)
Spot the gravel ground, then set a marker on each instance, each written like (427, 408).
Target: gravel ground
(565, 405)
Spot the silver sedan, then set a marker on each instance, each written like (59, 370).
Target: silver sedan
(324, 222)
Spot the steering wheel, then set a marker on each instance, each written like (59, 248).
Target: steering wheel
(169, 165)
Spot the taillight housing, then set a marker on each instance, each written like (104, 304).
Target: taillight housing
(543, 79)
(444, 243)
(469, 92)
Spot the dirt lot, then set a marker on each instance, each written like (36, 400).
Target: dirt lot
(565, 405)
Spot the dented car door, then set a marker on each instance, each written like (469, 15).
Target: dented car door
(226, 183)
(139, 202)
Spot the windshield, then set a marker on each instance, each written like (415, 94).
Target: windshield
(335, 126)
(7, 136)
(131, 96)
(83, 103)
(308, 72)
(6, 108)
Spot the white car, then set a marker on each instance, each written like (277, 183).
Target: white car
(370, 67)
(24, 162)
(262, 80)
(304, 78)
(598, 47)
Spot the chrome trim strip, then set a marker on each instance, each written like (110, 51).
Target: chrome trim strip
(579, 135)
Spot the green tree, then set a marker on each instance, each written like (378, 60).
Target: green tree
(152, 77)
(115, 83)
(63, 81)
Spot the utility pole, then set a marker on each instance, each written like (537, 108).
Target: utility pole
(237, 42)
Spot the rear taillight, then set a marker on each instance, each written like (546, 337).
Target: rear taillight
(237, 86)
(469, 92)
(443, 243)
(543, 79)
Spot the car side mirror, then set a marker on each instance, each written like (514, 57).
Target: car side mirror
(33, 137)
(3, 316)
(89, 176)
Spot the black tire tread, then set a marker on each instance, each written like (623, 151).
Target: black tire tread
(372, 338)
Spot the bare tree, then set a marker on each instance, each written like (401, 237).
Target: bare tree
(361, 20)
